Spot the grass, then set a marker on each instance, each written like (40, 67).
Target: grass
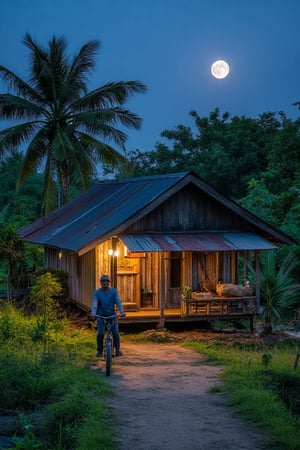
(59, 399)
(258, 387)
(158, 336)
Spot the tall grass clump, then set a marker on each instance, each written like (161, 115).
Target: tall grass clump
(15, 328)
(66, 416)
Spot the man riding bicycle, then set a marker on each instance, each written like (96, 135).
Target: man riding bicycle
(104, 301)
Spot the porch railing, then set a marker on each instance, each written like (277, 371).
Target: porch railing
(220, 306)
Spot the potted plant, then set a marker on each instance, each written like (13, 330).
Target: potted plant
(186, 292)
(146, 291)
(147, 297)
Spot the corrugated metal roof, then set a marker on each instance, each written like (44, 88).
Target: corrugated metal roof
(216, 241)
(98, 211)
(111, 206)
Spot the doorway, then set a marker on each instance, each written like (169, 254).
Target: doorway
(174, 280)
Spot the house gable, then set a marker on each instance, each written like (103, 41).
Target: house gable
(190, 209)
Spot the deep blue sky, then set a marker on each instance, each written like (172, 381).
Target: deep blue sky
(170, 45)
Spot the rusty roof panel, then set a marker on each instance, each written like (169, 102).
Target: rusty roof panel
(98, 211)
(197, 242)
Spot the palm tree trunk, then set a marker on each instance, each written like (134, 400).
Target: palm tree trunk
(63, 186)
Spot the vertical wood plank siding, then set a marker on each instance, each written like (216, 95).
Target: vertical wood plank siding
(187, 210)
(102, 263)
(79, 268)
(88, 282)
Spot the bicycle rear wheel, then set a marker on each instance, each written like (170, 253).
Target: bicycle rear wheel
(108, 357)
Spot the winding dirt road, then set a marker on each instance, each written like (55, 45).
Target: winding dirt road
(163, 402)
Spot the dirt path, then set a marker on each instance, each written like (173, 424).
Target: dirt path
(163, 402)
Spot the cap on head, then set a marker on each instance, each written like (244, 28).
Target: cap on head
(104, 278)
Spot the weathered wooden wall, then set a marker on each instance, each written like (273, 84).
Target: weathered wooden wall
(187, 210)
(151, 272)
(81, 270)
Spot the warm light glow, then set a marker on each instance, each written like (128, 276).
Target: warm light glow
(112, 252)
(59, 255)
(220, 69)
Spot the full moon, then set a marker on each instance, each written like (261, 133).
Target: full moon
(220, 69)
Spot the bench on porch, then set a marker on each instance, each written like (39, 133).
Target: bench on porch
(219, 306)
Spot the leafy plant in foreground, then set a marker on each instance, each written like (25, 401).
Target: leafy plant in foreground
(266, 359)
(279, 293)
(29, 441)
(43, 295)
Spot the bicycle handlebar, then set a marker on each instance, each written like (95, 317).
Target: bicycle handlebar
(113, 316)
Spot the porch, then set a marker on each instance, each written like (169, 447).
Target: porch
(197, 310)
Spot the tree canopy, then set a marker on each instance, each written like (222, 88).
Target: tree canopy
(255, 162)
(67, 129)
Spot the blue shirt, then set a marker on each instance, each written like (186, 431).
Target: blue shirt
(104, 302)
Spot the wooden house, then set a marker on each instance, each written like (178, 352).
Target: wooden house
(174, 247)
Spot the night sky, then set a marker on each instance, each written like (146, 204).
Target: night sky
(170, 45)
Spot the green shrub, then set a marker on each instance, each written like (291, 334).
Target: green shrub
(15, 328)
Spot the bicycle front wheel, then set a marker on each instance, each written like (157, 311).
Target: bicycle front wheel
(108, 359)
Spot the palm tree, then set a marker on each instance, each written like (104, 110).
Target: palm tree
(67, 128)
(278, 290)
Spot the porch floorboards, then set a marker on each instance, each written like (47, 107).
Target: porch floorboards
(222, 308)
(176, 315)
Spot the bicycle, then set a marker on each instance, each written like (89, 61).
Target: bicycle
(108, 341)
